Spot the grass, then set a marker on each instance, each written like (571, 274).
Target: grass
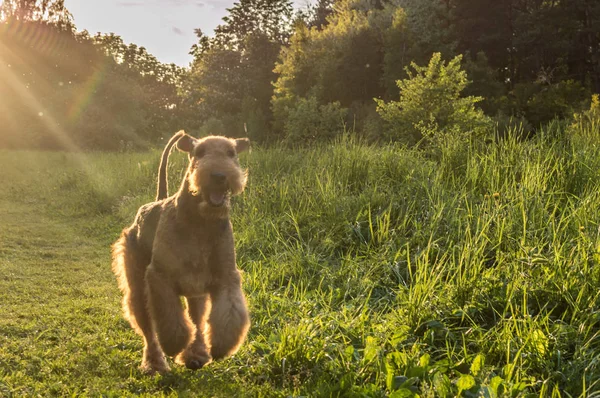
(370, 271)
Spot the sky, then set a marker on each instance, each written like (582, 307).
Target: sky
(164, 27)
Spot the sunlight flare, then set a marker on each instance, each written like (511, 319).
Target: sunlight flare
(49, 122)
(86, 93)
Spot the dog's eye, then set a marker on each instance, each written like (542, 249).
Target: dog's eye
(199, 152)
(231, 153)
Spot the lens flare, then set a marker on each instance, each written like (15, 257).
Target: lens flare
(86, 93)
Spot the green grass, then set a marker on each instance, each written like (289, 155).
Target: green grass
(370, 271)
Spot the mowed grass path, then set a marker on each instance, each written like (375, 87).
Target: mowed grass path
(466, 270)
(61, 329)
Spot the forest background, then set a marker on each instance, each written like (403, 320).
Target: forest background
(276, 73)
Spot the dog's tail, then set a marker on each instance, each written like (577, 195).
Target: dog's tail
(162, 190)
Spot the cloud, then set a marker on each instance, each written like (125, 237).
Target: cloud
(219, 4)
(178, 31)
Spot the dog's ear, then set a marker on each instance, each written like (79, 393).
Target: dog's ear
(242, 144)
(186, 143)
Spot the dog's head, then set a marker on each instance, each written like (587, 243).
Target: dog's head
(214, 171)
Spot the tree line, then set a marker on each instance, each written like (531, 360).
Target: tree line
(63, 89)
(278, 73)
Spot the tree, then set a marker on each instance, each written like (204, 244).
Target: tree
(360, 53)
(270, 18)
(529, 40)
(340, 63)
(232, 72)
(74, 91)
(51, 11)
(488, 27)
(202, 47)
(317, 14)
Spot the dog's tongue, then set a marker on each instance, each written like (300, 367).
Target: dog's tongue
(217, 198)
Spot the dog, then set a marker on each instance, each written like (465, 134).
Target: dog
(183, 245)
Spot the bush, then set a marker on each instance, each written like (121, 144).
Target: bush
(228, 125)
(364, 120)
(484, 82)
(559, 100)
(373, 127)
(256, 125)
(213, 126)
(308, 120)
(587, 123)
(430, 101)
(512, 125)
(591, 115)
(539, 103)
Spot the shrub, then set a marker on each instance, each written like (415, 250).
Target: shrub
(307, 120)
(541, 103)
(484, 82)
(430, 101)
(228, 125)
(256, 125)
(373, 126)
(558, 100)
(587, 123)
(213, 126)
(515, 125)
(591, 115)
(364, 120)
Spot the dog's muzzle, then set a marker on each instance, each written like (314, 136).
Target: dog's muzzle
(218, 189)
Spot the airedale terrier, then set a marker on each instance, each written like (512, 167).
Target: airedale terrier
(183, 246)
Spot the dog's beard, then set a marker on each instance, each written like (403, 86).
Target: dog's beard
(209, 211)
(193, 183)
(217, 194)
(213, 196)
(238, 184)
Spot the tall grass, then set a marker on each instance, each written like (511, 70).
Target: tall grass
(375, 270)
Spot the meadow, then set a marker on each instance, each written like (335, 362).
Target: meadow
(371, 271)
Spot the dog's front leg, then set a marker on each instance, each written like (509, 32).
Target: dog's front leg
(196, 355)
(173, 327)
(229, 320)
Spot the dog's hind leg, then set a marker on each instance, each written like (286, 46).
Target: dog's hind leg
(229, 320)
(173, 328)
(196, 354)
(129, 266)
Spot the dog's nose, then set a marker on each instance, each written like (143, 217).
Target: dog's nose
(218, 177)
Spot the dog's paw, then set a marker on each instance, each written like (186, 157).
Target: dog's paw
(193, 359)
(154, 366)
(195, 364)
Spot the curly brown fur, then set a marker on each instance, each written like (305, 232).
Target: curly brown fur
(183, 246)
